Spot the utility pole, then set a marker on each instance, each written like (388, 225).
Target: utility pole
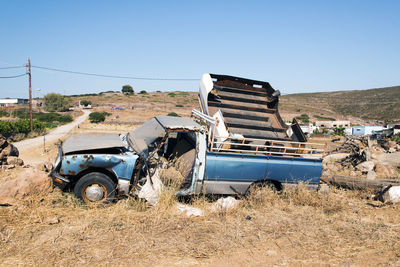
(30, 94)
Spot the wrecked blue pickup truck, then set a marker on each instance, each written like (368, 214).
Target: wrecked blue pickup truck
(212, 158)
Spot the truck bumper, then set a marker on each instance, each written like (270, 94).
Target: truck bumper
(58, 180)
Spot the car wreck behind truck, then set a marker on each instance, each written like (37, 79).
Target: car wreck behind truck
(210, 156)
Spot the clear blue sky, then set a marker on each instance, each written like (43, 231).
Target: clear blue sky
(297, 46)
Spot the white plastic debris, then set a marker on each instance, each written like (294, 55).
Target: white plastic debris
(189, 211)
(225, 204)
(392, 195)
(151, 192)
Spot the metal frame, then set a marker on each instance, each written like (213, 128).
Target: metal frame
(281, 146)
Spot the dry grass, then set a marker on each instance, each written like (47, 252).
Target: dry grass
(296, 227)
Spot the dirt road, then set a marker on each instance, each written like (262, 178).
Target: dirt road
(54, 135)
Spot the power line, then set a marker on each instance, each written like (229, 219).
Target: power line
(16, 76)
(15, 67)
(114, 76)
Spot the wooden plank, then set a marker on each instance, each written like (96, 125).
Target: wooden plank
(239, 105)
(359, 183)
(243, 97)
(259, 92)
(246, 122)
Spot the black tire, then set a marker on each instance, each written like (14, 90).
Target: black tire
(275, 187)
(102, 188)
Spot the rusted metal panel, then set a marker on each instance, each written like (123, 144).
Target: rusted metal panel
(145, 135)
(249, 107)
(92, 141)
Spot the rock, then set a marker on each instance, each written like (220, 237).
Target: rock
(390, 195)
(385, 170)
(30, 183)
(366, 166)
(225, 204)
(47, 166)
(51, 220)
(9, 150)
(371, 175)
(335, 157)
(392, 150)
(390, 144)
(12, 160)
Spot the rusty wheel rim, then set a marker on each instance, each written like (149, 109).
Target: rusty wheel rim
(94, 193)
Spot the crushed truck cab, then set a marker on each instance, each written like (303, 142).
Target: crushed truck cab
(237, 145)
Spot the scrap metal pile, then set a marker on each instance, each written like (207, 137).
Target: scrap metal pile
(246, 108)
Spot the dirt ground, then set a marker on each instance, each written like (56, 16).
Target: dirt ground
(297, 228)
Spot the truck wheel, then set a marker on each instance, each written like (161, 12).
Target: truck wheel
(95, 187)
(274, 187)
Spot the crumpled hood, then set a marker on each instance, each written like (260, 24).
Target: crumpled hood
(92, 141)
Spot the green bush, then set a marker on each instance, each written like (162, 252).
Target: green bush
(179, 106)
(396, 138)
(9, 128)
(324, 118)
(96, 117)
(171, 94)
(143, 92)
(127, 89)
(85, 102)
(173, 114)
(339, 131)
(303, 118)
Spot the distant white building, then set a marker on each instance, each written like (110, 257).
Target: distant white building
(366, 130)
(9, 102)
(332, 124)
(308, 129)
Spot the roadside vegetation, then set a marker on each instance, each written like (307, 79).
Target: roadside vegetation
(16, 125)
(55, 102)
(96, 117)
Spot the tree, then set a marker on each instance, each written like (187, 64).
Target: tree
(143, 92)
(85, 102)
(55, 102)
(96, 117)
(127, 89)
(339, 131)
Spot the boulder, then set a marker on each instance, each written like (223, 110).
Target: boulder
(12, 160)
(366, 166)
(30, 183)
(385, 170)
(9, 150)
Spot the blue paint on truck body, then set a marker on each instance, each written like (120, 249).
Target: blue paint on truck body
(254, 168)
(121, 165)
